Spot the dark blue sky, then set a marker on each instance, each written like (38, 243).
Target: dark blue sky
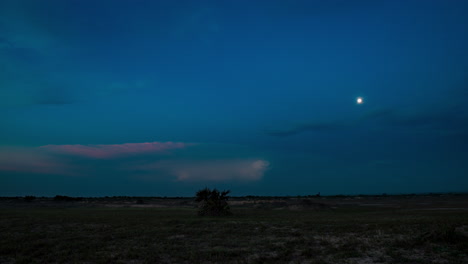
(167, 97)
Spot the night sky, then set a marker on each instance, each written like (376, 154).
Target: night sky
(162, 98)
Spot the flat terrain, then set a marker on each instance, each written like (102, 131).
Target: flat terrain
(364, 229)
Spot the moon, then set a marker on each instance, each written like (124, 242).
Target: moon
(359, 100)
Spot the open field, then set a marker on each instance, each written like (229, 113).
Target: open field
(380, 229)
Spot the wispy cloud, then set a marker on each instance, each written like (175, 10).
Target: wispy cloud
(68, 159)
(211, 170)
(304, 128)
(115, 150)
(450, 121)
(153, 159)
(31, 160)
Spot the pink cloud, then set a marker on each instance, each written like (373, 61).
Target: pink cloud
(43, 161)
(115, 150)
(212, 170)
(30, 160)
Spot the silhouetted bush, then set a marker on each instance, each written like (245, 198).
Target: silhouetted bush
(213, 202)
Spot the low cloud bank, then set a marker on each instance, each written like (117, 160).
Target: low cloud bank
(31, 160)
(116, 150)
(450, 121)
(155, 160)
(212, 170)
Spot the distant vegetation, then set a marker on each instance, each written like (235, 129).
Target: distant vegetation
(67, 198)
(29, 198)
(213, 202)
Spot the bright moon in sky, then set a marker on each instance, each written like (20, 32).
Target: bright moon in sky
(359, 100)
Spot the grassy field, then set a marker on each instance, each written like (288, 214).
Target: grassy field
(349, 234)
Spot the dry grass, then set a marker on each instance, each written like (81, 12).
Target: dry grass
(350, 234)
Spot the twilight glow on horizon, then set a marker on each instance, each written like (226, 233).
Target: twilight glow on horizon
(163, 98)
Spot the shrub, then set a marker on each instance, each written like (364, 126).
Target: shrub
(213, 202)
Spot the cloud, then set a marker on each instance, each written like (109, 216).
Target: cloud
(211, 170)
(68, 159)
(115, 150)
(304, 128)
(135, 160)
(452, 120)
(31, 160)
(29, 78)
(45, 61)
(377, 114)
(430, 120)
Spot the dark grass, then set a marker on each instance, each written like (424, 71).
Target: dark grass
(178, 235)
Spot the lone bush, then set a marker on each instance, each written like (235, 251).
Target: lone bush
(213, 202)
